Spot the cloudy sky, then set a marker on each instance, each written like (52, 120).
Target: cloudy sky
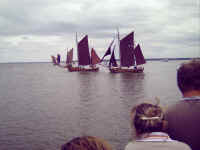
(33, 30)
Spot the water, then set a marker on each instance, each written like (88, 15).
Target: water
(43, 106)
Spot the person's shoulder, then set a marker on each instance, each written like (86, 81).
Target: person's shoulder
(181, 145)
(133, 145)
(182, 105)
(137, 145)
(173, 107)
(129, 146)
(157, 145)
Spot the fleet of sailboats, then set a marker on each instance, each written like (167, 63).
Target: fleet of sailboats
(130, 56)
(56, 60)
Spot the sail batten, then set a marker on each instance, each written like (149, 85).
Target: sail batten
(83, 52)
(126, 51)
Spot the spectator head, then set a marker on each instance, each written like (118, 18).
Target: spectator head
(188, 76)
(147, 118)
(86, 143)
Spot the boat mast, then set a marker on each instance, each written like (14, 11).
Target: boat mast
(119, 46)
(135, 65)
(77, 48)
(67, 56)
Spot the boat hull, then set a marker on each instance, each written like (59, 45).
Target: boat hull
(80, 69)
(123, 70)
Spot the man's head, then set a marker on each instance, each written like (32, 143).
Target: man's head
(188, 77)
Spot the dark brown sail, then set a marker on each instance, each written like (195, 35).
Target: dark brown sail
(54, 60)
(126, 51)
(94, 57)
(69, 56)
(58, 58)
(108, 52)
(139, 56)
(113, 61)
(83, 52)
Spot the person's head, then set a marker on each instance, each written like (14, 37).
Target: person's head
(86, 143)
(188, 76)
(147, 118)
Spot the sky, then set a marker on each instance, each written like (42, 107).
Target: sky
(33, 30)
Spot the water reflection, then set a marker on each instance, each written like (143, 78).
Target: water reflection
(45, 105)
(86, 97)
(104, 104)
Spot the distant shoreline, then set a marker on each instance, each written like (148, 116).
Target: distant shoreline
(147, 59)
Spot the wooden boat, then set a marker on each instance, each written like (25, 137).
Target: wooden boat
(130, 57)
(55, 60)
(84, 58)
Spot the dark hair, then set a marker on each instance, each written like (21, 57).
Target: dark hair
(188, 76)
(148, 118)
(86, 143)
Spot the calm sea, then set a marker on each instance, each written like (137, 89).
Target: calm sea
(43, 106)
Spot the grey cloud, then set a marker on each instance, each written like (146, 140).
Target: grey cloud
(159, 28)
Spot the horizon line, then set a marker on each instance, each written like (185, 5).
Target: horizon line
(147, 59)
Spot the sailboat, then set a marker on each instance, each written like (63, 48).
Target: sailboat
(53, 58)
(69, 58)
(56, 60)
(84, 58)
(130, 57)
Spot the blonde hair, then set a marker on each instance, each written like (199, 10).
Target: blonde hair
(148, 118)
(86, 143)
